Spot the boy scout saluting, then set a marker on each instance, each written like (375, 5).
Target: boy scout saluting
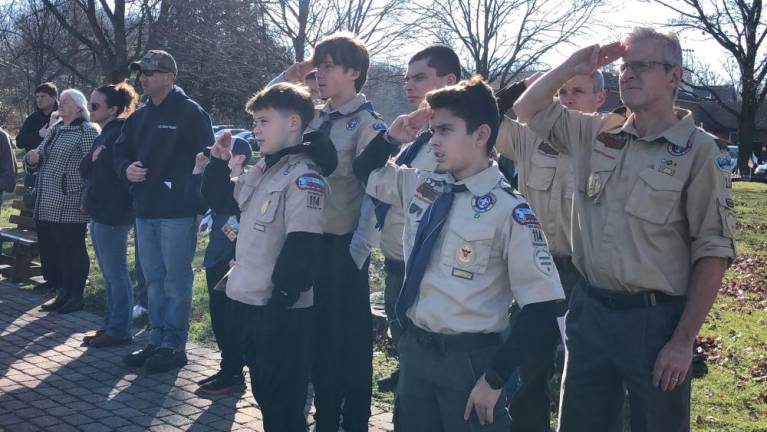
(471, 250)
(656, 233)
(546, 180)
(278, 248)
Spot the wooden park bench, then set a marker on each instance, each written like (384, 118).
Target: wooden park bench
(23, 238)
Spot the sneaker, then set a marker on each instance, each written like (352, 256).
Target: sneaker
(138, 310)
(105, 341)
(389, 384)
(208, 379)
(89, 338)
(138, 358)
(165, 359)
(223, 384)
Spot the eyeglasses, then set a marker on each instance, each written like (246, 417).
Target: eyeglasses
(95, 106)
(643, 66)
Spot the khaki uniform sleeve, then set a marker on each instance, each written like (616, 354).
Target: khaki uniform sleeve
(710, 208)
(567, 131)
(532, 273)
(391, 184)
(304, 201)
(512, 139)
(372, 127)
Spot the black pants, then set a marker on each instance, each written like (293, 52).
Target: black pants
(530, 405)
(277, 346)
(342, 372)
(64, 256)
(232, 354)
(611, 351)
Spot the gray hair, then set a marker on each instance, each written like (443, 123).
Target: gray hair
(598, 80)
(672, 49)
(80, 100)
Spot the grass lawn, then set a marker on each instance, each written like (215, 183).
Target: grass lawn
(730, 391)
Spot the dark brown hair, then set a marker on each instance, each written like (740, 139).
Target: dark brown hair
(346, 50)
(122, 95)
(284, 97)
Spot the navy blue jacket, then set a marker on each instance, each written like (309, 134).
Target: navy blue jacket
(107, 200)
(165, 138)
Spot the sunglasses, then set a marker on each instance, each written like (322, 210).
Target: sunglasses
(149, 73)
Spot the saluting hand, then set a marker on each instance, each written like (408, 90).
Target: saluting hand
(298, 71)
(533, 78)
(405, 127)
(200, 162)
(586, 60)
(136, 173)
(482, 400)
(222, 149)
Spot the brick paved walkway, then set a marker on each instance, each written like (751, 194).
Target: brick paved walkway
(49, 382)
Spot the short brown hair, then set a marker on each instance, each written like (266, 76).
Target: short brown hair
(48, 88)
(284, 97)
(347, 50)
(473, 101)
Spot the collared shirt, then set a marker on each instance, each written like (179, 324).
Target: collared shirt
(545, 179)
(646, 208)
(490, 251)
(288, 197)
(350, 135)
(392, 231)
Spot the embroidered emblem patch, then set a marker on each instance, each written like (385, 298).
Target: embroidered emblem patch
(463, 274)
(265, 206)
(538, 237)
(544, 261)
(314, 200)
(593, 185)
(428, 190)
(730, 203)
(547, 149)
(258, 227)
(353, 123)
(379, 126)
(727, 180)
(312, 182)
(466, 254)
(675, 150)
(724, 162)
(483, 203)
(616, 142)
(524, 215)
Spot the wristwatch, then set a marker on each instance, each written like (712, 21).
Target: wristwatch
(493, 379)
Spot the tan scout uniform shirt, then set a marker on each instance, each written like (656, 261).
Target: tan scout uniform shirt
(350, 135)
(646, 208)
(546, 180)
(490, 251)
(392, 231)
(289, 197)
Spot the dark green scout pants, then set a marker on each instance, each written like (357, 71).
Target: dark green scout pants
(613, 340)
(395, 276)
(437, 374)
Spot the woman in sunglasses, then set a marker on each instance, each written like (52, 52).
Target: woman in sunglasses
(108, 203)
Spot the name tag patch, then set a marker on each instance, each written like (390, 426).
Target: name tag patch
(258, 227)
(463, 274)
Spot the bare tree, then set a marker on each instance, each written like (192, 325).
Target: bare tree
(740, 28)
(501, 38)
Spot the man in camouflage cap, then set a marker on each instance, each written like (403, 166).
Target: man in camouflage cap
(156, 60)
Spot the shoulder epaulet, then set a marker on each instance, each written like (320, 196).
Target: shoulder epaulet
(509, 189)
(376, 115)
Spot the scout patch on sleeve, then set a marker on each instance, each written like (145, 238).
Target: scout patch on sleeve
(724, 162)
(314, 200)
(311, 182)
(728, 180)
(524, 215)
(463, 274)
(544, 261)
(547, 149)
(538, 237)
(484, 203)
(612, 141)
(428, 190)
(353, 123)
(379, 126)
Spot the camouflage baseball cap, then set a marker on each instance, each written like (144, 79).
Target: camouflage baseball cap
(156, 60)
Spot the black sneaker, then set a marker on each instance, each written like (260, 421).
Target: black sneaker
(208, 379)
(165, 359)
(138, 358)
(223, 384)
(389, 384)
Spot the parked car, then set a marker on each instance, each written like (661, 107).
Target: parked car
(248, 136)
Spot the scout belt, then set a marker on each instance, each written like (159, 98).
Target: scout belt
(443, 343)
(622, 300)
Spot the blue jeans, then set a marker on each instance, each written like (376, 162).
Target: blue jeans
(110, 243)
(166, 249)
(143, 299)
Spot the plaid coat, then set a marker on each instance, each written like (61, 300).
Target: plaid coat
(59, 184)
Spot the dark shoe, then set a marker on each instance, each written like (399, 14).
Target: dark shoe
(72, 305)
(138, 358)
(208, 379)
(389, 384)
(44, 287)
(61, 299)
(223, 384)
(89, 338)
(104, 341)
(165, 359)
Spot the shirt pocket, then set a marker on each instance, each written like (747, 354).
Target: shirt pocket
(654, 197)
(468, 247)
(269, 202)
(542, 171)
(728, 218)
(601, 170)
